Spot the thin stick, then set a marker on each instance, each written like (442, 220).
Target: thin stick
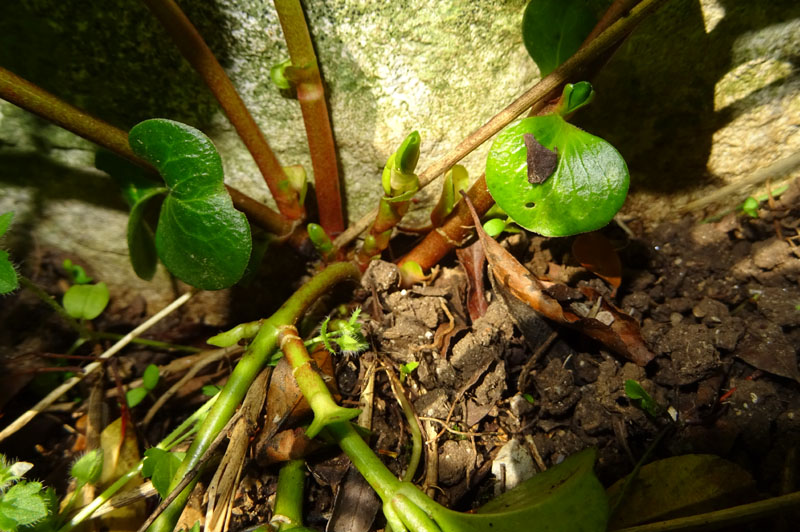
(311, 95)
(196, 51)
(777, 169)
(23, 420)
(720, 518)
(568, 70)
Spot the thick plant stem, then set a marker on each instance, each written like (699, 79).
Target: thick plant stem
(196, 51)
(314, 389)
(568, 70)
(38, 101)
(456, 228)
(311, 94)
(257, 354)
(289, 495)
(366, 461)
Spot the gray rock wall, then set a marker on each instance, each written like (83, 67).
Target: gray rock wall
(703, 94)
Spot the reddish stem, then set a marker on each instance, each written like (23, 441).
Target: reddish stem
(457, 227)
(311, 95)
(196, 51)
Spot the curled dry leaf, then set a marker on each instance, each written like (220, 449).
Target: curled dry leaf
(595, 317)
(596, 253)
(472, 259)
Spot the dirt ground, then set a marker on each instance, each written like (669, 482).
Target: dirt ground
(718, 304)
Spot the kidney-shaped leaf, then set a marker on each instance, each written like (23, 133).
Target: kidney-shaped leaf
(86, 301)
(553, 30)
(200, 237)
(584, 192)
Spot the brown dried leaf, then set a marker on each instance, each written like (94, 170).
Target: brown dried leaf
(472, 259)
(596, 253)
(617, 330)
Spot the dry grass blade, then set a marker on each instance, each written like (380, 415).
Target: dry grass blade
(604, 322)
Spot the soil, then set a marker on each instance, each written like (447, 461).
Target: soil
(718, 304)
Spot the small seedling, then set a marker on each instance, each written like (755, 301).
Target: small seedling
(407, 369)
(134, 396)
(642, 399)
(343, 337)
(750, 207)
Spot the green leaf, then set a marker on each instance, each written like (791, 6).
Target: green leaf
(76, 273)
(682, 486)
(406, 369)
(575, 96)
(750, 207)
(23, 504)
(588, 186)
(398, 178)
(5, 222)
(8, 275)
(641, 398)
(210, 390)
(200, 237)
(278, 75)
(322, 242)
(494, 227)
(150, 377)
(87, 469)
(134, 396)
(455, 180)
(159, 466)
(553, 30)
(140, 193)
(86, 301)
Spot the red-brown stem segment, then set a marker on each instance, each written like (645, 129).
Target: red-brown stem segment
(38, 101)
(196, 51)
(305, 75)
(454, 231)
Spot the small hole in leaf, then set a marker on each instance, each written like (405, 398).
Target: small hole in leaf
(530, 205)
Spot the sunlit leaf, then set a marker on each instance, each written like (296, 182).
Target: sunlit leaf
(200, 237)
(150, 377)
(86, 301)
(87, 469)
(8, 275)
(587, 188)
(22, 504)
(553, 30)
(159, 466)
(134, 396)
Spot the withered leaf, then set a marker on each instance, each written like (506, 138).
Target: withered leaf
(542, 162)
(605, 322)
(472, 259)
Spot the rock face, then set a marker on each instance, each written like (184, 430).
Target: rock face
(703, 94)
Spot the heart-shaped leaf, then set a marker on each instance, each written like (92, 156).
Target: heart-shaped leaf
(8, 275)
(588, 186)
(200, 237)
(86, 301)
(553, 30)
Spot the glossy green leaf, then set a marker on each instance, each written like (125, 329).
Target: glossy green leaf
(588, 187)
(680, 486)
(159, 466)
(86, 301)
(566, 498)
(200, 237)
(574, 96)
(140, 194)
(150, 377)
(641, 398)
(553, 30)
(8, 275)
(494, 227)
(320, 239)
(455, 180)
(134, 396)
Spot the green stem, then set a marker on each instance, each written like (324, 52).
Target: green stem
(257, 354)
(199, 55)
(366, 461)
(311, 95)
(326, 411)
(289, 495)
